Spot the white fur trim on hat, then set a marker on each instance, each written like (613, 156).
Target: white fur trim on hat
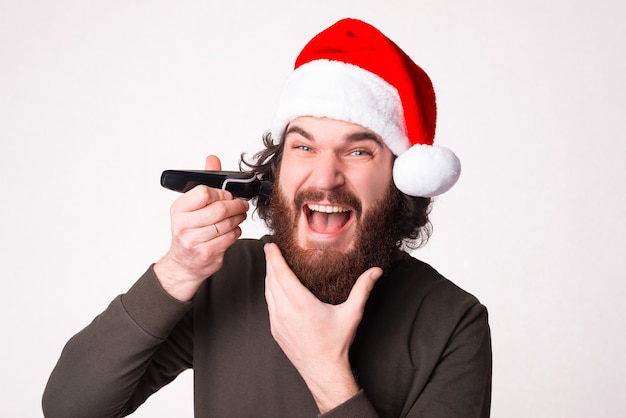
(345, 92)
(426, 170)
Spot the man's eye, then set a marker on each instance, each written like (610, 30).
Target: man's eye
(361, 153)
(303, 148)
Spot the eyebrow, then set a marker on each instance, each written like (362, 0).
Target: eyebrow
(356, 136)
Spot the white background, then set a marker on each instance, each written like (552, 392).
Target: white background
(98, 97)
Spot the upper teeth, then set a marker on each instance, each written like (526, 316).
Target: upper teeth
(327, 209)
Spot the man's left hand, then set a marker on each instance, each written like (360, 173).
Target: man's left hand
(315, 336)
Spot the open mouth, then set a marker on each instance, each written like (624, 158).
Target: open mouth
(327, 219)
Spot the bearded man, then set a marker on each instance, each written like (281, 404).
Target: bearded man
(328, 316)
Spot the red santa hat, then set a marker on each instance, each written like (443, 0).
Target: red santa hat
(354, 73)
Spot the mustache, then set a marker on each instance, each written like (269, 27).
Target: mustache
(337, 197)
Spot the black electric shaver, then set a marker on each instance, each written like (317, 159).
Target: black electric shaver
(242, 184)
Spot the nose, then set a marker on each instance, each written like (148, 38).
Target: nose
(328, 173)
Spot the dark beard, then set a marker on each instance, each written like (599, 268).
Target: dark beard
(330, 272)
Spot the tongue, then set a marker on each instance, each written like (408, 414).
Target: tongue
(327, 223)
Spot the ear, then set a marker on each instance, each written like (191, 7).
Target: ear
(212, 163)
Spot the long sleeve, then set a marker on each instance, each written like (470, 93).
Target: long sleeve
(356, 407)
(460, 385)
(109, 368)
(423, 349)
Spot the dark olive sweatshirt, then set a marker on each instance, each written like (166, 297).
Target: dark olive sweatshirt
(423, 349)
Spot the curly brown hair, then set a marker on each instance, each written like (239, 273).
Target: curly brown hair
(414, 226)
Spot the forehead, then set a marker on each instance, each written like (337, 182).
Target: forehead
(318, 129)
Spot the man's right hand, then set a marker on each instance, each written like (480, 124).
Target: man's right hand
(205, 222)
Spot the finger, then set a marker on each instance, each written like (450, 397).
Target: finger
(272, 254)
(272, 292)
(216, 211)
(229, 213)
(227, 239)
(195, 238)
(271, 286)
(199, 197)
(224, 226)
(269, 297)
(212, 162)
(198, 226)
(269, 271)
(362, 288)
(276, 273)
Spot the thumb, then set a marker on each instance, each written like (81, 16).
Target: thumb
(212, 163)
(363, 287)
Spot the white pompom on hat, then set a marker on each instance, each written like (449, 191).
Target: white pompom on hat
(354, 73)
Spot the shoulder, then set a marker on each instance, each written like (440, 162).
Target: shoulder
(415, 280)
(245, 250)
(414, 293)
(415, 301)
(241, 279)
(246, 254)
(244, 260)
